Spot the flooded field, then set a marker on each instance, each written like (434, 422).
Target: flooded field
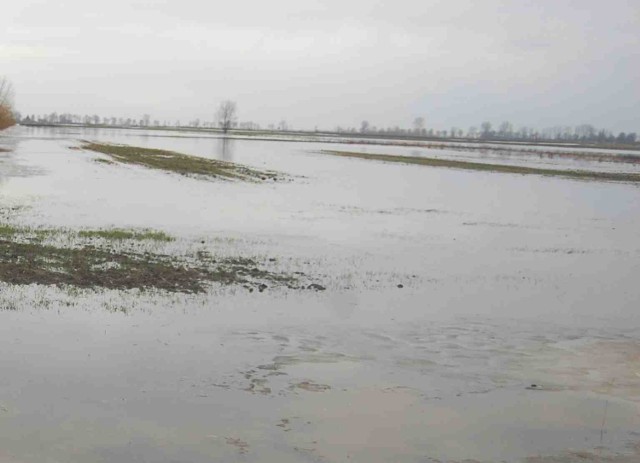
(347, 309)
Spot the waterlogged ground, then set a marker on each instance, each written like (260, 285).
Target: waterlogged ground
(466, 316)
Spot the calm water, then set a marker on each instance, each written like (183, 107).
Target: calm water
(507, 281)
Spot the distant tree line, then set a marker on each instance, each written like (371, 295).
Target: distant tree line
(584, 133)
(580, 133)
(7, 117)
(95, 120)
(225, 119)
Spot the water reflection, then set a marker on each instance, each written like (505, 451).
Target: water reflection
(144, 136)
(225, 149)
(3, 179)
(8, 167)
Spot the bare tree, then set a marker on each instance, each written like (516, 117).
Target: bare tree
(505, 130)
(418, 124)
(486, 129)
(7, 118)
(364, 127)
(227, 115)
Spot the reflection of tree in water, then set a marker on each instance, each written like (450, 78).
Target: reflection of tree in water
(8, 166)
(225, 149)
(2, 170)
(144, 135)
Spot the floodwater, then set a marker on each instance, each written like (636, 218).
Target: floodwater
(449, 295)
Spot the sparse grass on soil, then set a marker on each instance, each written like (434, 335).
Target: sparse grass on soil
(109, 234)
(500, 168)
(25, 258)
(183, 164)
(120, 234)
(7, 230)
(540, 150)
(27, 263)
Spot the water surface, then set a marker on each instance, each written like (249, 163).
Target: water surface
(449, 293)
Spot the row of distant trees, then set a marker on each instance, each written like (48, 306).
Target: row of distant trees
(584, 133)
(579, 133)
(7, 118)
(225, 118)
(94, 119)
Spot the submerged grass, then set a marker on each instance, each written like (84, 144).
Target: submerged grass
(500, 168)
(8, 230)
(109, 234)
(179, 163)
(119, 234)
(27, 263)
(26, 258)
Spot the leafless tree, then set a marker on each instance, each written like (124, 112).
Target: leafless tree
(505, 130)
(585, 131)
(227, 115)
(418, 124)
(364, 127)
(6, 104)
(486, 129)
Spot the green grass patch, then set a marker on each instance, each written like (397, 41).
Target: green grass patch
(24, 263)
(30, 233)
(179, 163)
(117, 234)
(28, 263)
(485, 167)
(26, 258)
(8, 230)
(113, 234)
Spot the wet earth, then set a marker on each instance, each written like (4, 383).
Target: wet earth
(464, 317)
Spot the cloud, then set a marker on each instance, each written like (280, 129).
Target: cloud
(329, 62)
(20, 52)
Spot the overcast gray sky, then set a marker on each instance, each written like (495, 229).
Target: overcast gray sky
(330, 62)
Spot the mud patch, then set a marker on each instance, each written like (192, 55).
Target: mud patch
(556, 250)
(259, 386)
(239, 444)
(611, 368)
(522, 424)
(590, 457)
(311, 386)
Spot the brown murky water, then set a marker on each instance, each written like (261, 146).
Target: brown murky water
(449, 296)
